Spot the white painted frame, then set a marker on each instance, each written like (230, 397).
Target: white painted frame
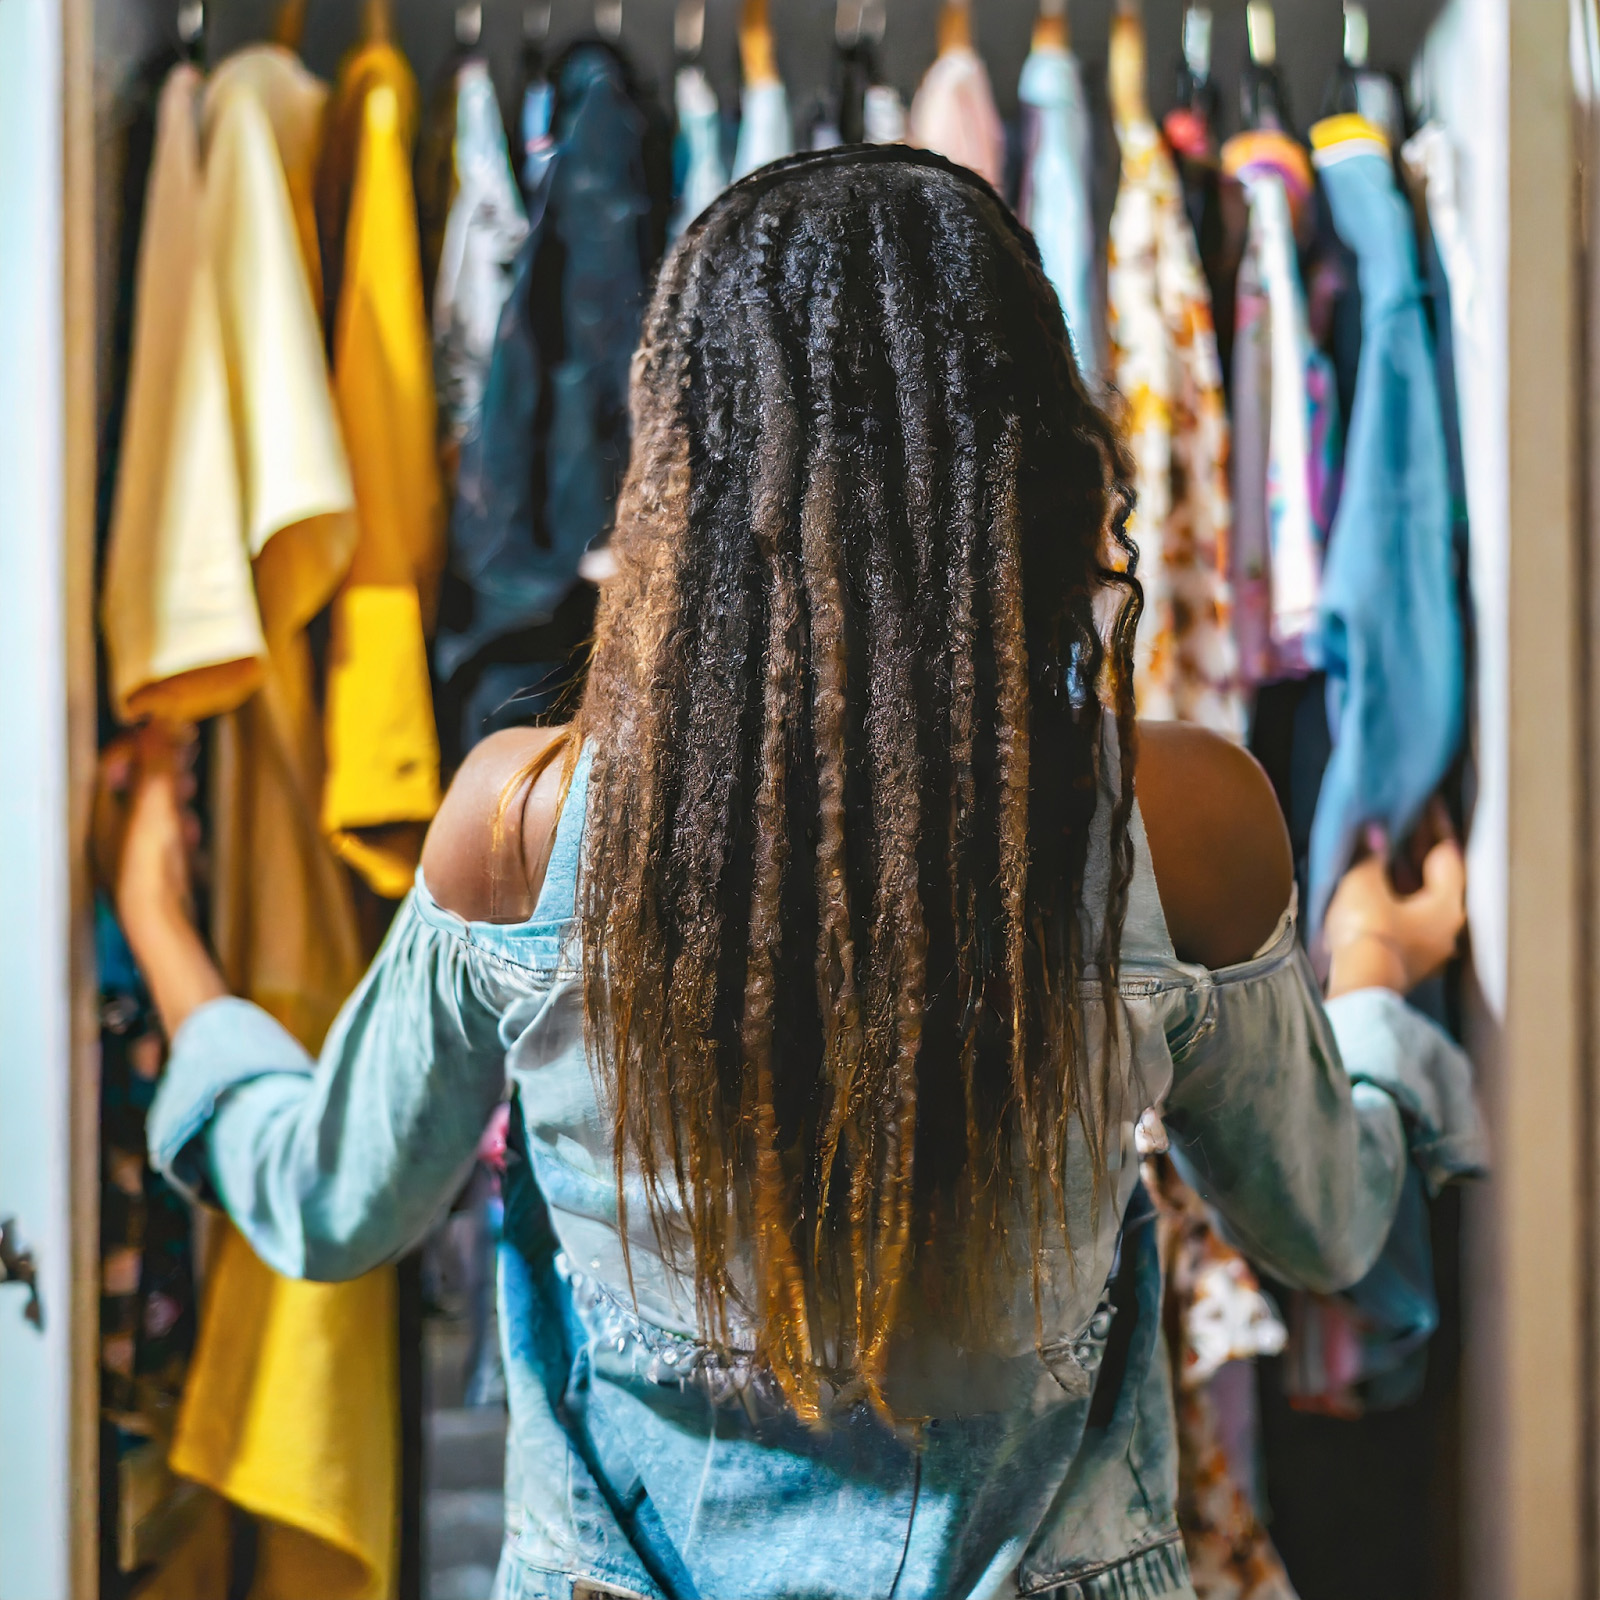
(48, 1067)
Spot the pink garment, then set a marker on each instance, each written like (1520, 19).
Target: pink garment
(954, 114)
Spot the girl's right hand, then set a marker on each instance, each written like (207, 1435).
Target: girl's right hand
(1379, 938)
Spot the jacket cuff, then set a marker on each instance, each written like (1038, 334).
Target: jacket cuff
(222, 1044)
(1387, 1043)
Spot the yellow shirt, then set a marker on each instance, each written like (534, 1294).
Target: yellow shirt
(234, 467)
(382, 746)
(178, 605)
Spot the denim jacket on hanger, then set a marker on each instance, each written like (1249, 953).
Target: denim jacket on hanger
(1392, 636)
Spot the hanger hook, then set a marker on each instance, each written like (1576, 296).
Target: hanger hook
(1357, 36)
(1197, 42)
(689, 29)
(608, 19)
(1262, 27)
(191, 22)
(469, 24)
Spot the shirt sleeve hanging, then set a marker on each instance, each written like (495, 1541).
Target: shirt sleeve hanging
(1391, 624)
(382, 747)
(178, 605)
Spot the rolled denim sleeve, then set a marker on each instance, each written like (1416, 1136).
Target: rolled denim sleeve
(331, 1166)
(1297, 1121)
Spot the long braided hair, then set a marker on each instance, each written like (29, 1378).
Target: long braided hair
(845, 710)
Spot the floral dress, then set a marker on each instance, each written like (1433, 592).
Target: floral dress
(1164, 363)
(1215, 1314)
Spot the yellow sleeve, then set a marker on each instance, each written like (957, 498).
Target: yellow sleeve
(178, 607)
(382, 746)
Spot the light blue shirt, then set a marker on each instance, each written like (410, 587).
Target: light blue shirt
(1054, 202)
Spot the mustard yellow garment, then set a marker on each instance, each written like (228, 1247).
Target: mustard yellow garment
(178, 606)
(290, 1407)
(382, 746)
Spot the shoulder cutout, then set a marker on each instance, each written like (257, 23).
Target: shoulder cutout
(1217, 840)
(486, 851)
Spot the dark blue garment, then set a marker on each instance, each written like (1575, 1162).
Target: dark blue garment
(541, 467)
(1390, 615)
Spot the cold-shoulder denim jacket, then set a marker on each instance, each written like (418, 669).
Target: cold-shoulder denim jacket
(640, 1461)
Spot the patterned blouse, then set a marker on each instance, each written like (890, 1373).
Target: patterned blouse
(1164, 364)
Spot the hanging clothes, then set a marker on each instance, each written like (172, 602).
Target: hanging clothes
(382, 783)
(178, 608)
(883, 115)
(1391, 624)
(161, 1526)
(1216, 1315)
(232, 453)
(1054, 201)
(1164, 362)
(484, 230)
(953, 113)
(291, 1400)
(1286, 433)
(766, 131)
(1430, 164)
(542, 463)
(702, 175)
(535, 115)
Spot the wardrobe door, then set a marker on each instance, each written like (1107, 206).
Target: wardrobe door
(48, 1278)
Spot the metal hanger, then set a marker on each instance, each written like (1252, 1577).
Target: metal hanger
(192, 31)
(1196, 95)
(1197, 42)
(689, 30)
(1262, 103)
(1357, 36)
(469, 24)
(608, 19)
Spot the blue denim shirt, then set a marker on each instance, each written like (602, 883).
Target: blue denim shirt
(1392, 635)
(643, 1462)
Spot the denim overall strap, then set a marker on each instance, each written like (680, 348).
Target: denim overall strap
(559, 895)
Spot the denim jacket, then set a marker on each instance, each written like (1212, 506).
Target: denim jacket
(643, 1462)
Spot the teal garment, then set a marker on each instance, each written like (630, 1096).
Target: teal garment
(641, 1458)
(1391, 625)
(766, 130)
(1054, 199)
(701, 173)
